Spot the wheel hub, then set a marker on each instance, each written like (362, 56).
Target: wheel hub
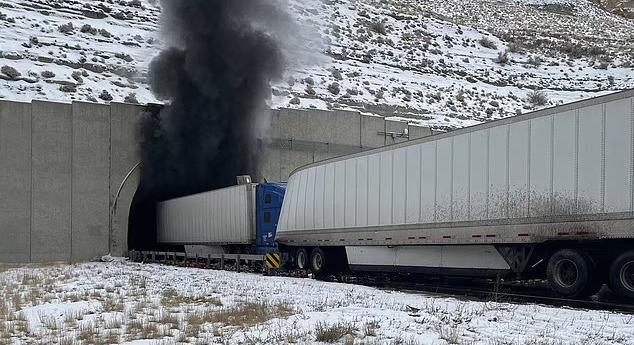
(301, 260)
(627, 275)
(567, 273)
(318, 261)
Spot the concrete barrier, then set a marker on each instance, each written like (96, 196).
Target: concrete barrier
(51, 176)
(63, 168)
(15, 182)
(90, 180)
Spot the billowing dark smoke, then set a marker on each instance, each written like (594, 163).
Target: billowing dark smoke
(215, 76)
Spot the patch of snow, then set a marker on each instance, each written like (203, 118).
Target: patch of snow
(452, 63)
(140, 287)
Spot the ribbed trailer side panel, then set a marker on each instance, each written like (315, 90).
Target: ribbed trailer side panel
(526, 179)
(224, 216)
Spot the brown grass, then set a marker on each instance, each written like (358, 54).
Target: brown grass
(369, 329)
(137, 330)
(171, 298)
(16, 301)
(67, 340)
(31, 280)
(87, 332)
(111, 305)
(250, 314)
(168, 319)
(332, 333)
(114, 323)
(4, 309)
(49, 322)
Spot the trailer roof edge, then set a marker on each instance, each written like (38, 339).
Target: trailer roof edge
(615, 96)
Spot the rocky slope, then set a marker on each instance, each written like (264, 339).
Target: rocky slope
(442, 63)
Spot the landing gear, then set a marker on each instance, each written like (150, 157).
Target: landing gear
(622, 275)
(571, 273)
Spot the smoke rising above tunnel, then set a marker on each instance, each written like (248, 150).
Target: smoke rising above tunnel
(214, 76)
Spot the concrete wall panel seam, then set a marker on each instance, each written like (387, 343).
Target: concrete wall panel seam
(435, 181)
(110, 220)
(31, 192)
(603, 129)
(72, 170)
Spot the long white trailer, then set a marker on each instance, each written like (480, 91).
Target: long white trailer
(219, 217)
(552, 188)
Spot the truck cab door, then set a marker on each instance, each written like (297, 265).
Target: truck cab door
(269, 206)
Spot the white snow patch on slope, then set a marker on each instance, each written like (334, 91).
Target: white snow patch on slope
(426, 60)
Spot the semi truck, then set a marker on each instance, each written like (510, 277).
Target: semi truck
(547, 195)
(238, 219)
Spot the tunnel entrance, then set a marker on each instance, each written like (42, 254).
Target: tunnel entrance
(142, 227)
(154, 185)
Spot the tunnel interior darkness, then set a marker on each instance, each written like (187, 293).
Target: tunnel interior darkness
(142, 229)
(166, 173)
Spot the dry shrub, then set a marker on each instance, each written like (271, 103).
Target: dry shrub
(4, 309)
(68, 340)
(172, 298)
(87, 332)
(112, 337)
(114, 323)
(49, 322)
(31, 280)
(112, 305)
(16, 301)
(332, 333)
(167, 318)
(537, 98)
(10, 72)
(245, 315)
(137, 330)
(487, 43)
(378, 27)
(369, 329)
(450, 335)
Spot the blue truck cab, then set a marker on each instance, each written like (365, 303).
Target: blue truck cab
(269, 198)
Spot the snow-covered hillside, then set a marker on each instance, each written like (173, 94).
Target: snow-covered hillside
(129, 303)
(442, 63)
(77, 50)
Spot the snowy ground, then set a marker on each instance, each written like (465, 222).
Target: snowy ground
(109, 303)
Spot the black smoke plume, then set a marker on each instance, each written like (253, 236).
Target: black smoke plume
(214, 75)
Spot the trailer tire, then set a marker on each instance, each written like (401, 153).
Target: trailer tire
(570, 274)
(301, 258)
(622, 275)
(318, 262)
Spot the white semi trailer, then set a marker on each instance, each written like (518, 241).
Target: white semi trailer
(545, 194)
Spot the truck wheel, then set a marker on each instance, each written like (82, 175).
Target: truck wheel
(318, 261)
(622, 275)
(301, 258)
(571, 274)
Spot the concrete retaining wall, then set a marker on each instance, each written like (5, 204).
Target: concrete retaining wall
(63, 165)
(59, 166)
(300, 137)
